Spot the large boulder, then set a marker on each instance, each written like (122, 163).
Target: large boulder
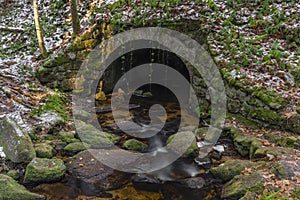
(93, 177)
(43, 170)
(16, 143)
(191, 150)
(10, 189)
(93, 137)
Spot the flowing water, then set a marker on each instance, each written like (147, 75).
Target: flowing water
(183, 179)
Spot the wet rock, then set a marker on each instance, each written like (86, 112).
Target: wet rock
(17, 144)
(67, 137)
(44, 150)
(93, 177)
(13, 174)
(95, 138)
(134, 145)
(146, 182)
(74, 148)
(43, 170)
(203, 161)
(191, 150)
(10, 189)
(241, 184)
(191, 188)
(193, 183)
(228, 170)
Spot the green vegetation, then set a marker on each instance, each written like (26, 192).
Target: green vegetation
(53, 102)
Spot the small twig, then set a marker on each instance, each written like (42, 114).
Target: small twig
(12, 29)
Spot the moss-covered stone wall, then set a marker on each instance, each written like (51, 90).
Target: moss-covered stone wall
(265, 108)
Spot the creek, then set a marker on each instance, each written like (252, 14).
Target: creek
(183, 179)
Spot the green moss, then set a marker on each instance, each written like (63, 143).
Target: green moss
(134, 145)
(280, 140)
(43, 170)
(255, 144)
(14, 174)
(235, 132)
(243, 144)
(230, 169)
(67, 137)
(10, 189)
(269, 116)
(271, 99)
(56, 61)
(241, 119)
(44, 150)
(241, 184)
(296, 193)
(75, 147)
(53, 102)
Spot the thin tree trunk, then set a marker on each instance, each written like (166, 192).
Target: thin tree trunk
(75, 18)
(39, 30)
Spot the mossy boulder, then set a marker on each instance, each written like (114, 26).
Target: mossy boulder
(274, 151)
(67, 137)
(14, 174)
(11, 189)
(246, 145)
(16, 143)
(95, 138)
(228, 170)
(43, 170)
(134, 145)
(241, 184)
(193, 147)
(243, 143)
(75, 147)
(44, 150)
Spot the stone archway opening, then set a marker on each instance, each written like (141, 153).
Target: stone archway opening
(139, 57)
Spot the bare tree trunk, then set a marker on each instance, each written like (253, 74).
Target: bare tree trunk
(39, 30)
(75, 18)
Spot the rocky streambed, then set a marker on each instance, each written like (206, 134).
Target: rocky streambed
(53, 163)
